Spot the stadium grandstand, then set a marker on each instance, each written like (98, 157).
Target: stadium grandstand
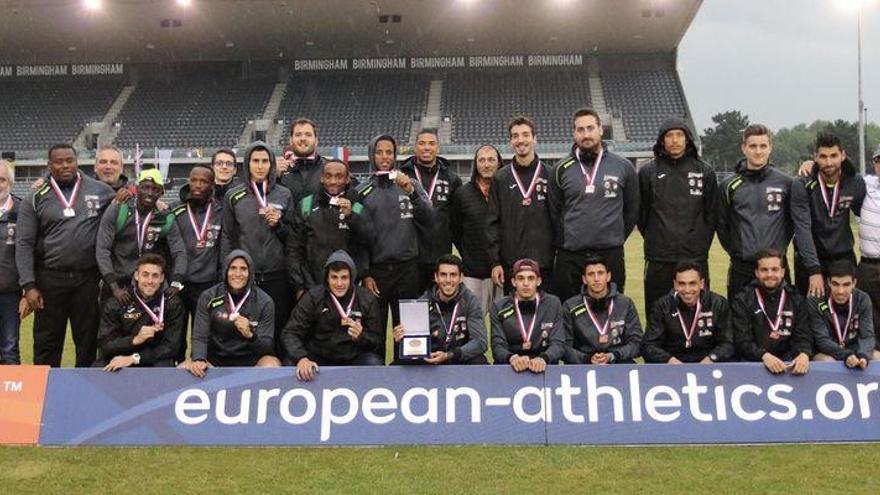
(185, 85)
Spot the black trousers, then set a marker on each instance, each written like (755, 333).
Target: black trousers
(275, 284)
(67, 296)
(190, 298)
(869, 281)
(396, 281)
(363, 358)
(802, 276)
(569, 269)
(658, 280)
(426, 277)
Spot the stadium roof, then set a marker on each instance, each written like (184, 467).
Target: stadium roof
(64, 31)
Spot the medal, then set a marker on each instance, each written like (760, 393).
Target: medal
(343, 313)
(526, 333)
(157, 319)
(261, 198)
(233, 308)
(774, 335)
(602, 329)
(430, 190)
(774, 325)
(527, 194)
(689, 334)
(448, 329)
(835, 196)
(69, 212)
(141, 227)
(590, 178)
(200, 232)
(841, 332)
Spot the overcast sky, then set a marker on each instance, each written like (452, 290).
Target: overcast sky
(781, 62)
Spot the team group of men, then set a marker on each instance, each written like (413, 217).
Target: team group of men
(291, 261)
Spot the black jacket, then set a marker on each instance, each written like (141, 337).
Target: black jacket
(751, 330)
(120, 324)
(755, 211)
(859, 338)
(466, 339)
(678, 202)
(221, 190)
(303, 177)
(817, 235)
(437, 240)
(582, 338)
(665, 338)
(468, 221)
(319, 231)
(517, 231)
(203, 261)
(548, 335)
(8, 271)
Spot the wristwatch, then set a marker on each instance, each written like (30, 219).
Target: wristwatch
(713, 357)
(136, 358)
(177, 285)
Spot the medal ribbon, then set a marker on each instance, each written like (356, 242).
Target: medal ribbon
(433, 181)
(68, 204)
(448, 329)
(835, 197)
(343, 313)
(774, 326)
(141, 228)
(526, 194)
(590, 178)
(233, 308)
(841, 333)
(526, 334)
(157, 319)
(201, 233)
(261, 198)
(689, 335)
(603, 329)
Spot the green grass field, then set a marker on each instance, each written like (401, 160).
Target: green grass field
(704, 469)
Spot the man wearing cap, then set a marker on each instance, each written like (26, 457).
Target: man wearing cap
(400, 210)
(134, 228)
(56, 229)
(678, 199)
(12, 305)
(527, 328)
(146, 331)
(328, 221)
(594, 204)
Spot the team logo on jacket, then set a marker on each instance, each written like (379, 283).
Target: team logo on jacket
(844, 205)
(775, 196)
(612, 186)
(705, 324)
(10, 234)
(406, 206)
(152, 237)
(93, 205)
(695, 183)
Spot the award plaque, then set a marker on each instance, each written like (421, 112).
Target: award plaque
(416, 342)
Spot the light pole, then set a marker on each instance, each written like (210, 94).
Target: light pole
(861, 102)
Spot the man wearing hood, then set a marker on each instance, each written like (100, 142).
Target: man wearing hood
(198, 218)
(755, 209)
(527, 329)
(224, 164)
(821, 206)
(235, 321)
(458, 333)
(146, 331)
(400, 210)
(335, 323)
(678, 198)
(55, 255)
(468, 216)
(594, 204)
(440, 182)
(134, 228)
(689, 324)
(601, 324)
(12, 305)
(257, 218)
(329, 221)
(519, 220)
(770, 319)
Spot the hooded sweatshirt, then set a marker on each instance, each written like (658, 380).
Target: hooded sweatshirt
(547, 340)
(203, 258)
(468, 220)
(315, 328)
(712, 335)
(243, 227)
(621, 328)
(818, 234)
(214, 335)
(398, 218)
(437, 241)
(755, 211)
(8, 271)
(752, 331)
(603, 218)
(678, 199)
(465, 337)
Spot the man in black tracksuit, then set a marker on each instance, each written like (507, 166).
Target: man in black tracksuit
(527, 328)
(134, 228)
(821, 206)
(225, 167)
(146, 331)
(258, 218)
(601, 325)
(10, 291)
(235, 321)
(755, 209)
(677, 209)
(303, 175)
(690, 324)
(328, 221)
(770, 319)
(400, 210)
(336, 323)
(519, 219)
(55, 254)
(198, 217)
(440, 182)
(458, 332)
(843, 323)
(594, 205)
(468, 222)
